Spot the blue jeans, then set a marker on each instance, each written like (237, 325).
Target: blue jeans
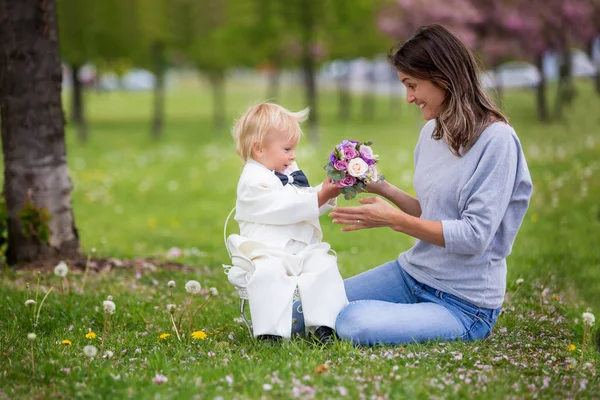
(387, 306)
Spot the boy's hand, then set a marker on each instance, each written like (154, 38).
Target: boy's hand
(328, 191)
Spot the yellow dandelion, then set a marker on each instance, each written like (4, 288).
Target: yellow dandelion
(555, 297)
(66, 342)
(90, 335)
(199, 335)
(571, 347)
(164, 336)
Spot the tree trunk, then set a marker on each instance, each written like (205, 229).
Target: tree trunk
(368, 105)
(308, 69)
(499, 85)
(217, 81)
(596, 64)
(159, 90)
(542, 106)
(77, 110)
(33, 137)
(565, 89)
(274, 77)
(344, 96)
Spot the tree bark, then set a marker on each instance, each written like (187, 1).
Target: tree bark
(542, 106)
(77, 106)
(33, 140)
(159, 90)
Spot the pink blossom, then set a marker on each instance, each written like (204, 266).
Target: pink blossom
(349, 152)
(174, 252)
(159, 379)
(340, 165)
(348, 180)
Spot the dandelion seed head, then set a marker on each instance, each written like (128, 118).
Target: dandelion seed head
(90, 351)
(520, 281)
(193, 287)
(31, 336)
(171, 284)
(109, 306)
(108, 354)
(171, 308)
(109, 297)
(213, 291)
(61, 269)
(29, 302)
(588, 318)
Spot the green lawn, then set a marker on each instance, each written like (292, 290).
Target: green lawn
(136, 197)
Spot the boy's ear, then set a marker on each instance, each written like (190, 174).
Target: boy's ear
(257, 149)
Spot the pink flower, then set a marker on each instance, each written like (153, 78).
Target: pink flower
(159, 379)
(374, 173)
(366, 153)
(340, 165)
(174, 252)
(349, 152)
(348, 180)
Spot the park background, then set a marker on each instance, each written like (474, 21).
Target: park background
(150, 90)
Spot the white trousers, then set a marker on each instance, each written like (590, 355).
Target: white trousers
(275, 277)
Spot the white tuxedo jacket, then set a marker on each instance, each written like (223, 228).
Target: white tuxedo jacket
(273, 214)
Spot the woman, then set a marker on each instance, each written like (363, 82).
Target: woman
(472, 189)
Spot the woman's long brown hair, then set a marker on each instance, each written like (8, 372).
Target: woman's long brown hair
(434, 54)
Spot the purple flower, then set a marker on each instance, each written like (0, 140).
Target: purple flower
(348, 180)
(349, 152)
(349, 143)
(340, 165)
(332, 157)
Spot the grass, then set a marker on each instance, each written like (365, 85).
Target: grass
(135, 197)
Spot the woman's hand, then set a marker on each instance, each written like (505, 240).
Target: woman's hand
(375, 212)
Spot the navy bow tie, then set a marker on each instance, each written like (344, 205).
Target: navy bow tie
(295, 178)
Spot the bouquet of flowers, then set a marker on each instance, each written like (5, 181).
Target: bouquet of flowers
(351, 166)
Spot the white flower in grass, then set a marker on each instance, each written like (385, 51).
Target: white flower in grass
(520, 281)
(109, 306)
(171, 308)
(90, 351)
(109, 297)
(214, 291)
(171, 284)
(61, 269)
(108, 354)
(29, 302)
(193, 287)
(589, 319)
(267, 387)
(31, 336)
(159, 379)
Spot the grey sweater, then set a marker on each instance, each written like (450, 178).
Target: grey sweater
(481, 199)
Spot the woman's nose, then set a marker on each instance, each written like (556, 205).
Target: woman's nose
(409, 98)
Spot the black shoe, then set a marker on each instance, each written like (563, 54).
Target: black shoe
(325, 334)
(269, 338)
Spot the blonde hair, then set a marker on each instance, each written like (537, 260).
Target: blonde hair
(259, 121)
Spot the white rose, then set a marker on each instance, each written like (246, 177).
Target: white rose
(357, 167)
